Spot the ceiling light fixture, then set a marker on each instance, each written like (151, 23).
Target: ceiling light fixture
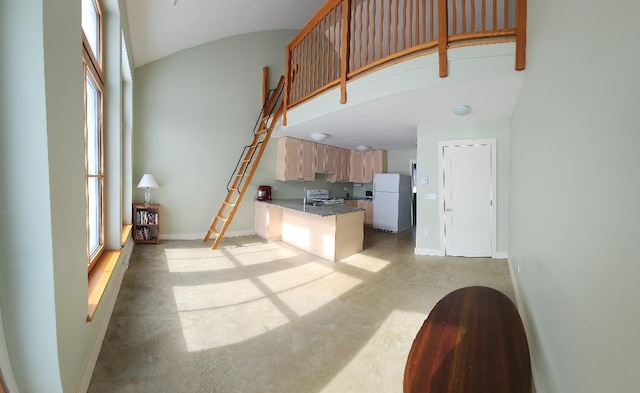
(362, 148)
(461, 110)
(319, 136)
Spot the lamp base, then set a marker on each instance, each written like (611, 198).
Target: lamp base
(147, 196)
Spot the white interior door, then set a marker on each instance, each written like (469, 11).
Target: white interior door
(468, 216)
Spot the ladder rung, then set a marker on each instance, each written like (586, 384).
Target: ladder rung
(219, 217)
(229, 203)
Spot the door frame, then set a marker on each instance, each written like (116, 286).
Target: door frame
(492, 142)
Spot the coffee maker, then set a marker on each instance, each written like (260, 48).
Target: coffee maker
(264, 193)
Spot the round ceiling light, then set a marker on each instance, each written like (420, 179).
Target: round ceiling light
(461, 110)
(362, 148)
(319, 136)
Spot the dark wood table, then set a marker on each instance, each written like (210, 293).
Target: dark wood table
(472, 341)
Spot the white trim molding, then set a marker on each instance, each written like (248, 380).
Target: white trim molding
(429, 252)
(493, 143)
(200, 236)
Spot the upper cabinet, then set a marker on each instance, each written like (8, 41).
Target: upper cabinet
(295, 160)
(325, 158)
(300, 160)
(342, 162)
(365, 163)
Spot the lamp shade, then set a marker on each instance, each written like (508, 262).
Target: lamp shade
(148, 181)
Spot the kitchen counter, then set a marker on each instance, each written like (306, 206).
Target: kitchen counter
(332, 232)
(322, 210)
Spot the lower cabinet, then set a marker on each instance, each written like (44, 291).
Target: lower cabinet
(368, 211)
(267, 221)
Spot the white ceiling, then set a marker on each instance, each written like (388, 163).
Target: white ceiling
(162, 27)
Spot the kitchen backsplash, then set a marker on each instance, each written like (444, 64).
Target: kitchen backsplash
(295, 189)
(360, 189)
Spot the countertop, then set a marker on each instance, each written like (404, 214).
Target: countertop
(322, 211)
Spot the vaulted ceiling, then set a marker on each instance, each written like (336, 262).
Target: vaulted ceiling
(162, 27)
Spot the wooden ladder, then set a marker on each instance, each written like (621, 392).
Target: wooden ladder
(248, 163)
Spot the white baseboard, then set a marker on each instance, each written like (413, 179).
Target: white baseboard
(535, 372)
(102, 330)
(200, 236)
(501, 255)
(429, 251)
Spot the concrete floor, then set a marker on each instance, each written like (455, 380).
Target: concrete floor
(258, 316)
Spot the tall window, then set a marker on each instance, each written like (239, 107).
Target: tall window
(93, 126)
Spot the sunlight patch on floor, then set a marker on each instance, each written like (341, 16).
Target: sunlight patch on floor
(223, 294)
(219, 327)
(300, 275)
(366, 262)
(307, 298)
(382, 359)
(260, 255)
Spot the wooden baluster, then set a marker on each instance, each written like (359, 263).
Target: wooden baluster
(344, 69)
(442, 37)
(404, 24)
(506, 14)
(433, 21)
(484, 15)
(389, 30)
(495, 15)
(464, 16)
(373, 32)
(473, 16)
(381, 29)
(397, 27)
(454, 29)
(521, 34)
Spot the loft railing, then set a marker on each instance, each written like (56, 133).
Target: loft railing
(348, 37)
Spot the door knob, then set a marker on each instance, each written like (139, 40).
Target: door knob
(449, 210)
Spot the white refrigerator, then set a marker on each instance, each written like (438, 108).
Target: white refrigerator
(391, 202)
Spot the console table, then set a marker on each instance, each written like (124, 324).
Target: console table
(473, 342)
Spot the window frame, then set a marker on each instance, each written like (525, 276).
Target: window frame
(93, 70)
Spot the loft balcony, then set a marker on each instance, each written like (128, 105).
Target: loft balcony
(376, 69)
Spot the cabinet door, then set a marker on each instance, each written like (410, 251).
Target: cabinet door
(368, 210)
(330, 159)
(307, 153)
(288, 159)
(321, 158)
(345, 162)
(379, 161)
(368, 166)
(356, 166)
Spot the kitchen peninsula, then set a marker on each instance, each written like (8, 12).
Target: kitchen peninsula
(332, 232)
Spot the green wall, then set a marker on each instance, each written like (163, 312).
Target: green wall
(575, 179)
(194, 112)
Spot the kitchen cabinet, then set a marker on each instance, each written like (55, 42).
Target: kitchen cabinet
(342, 162)
(295, 160)
(351, 203)
(267, 221)
(367, 205)
(365, 163)
(356, 165)
(325, 158)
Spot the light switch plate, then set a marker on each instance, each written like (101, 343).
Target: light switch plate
(430, 196)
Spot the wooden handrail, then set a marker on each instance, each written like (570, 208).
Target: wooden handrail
(348, 37)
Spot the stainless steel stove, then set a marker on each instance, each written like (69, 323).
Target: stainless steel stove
(322, 195)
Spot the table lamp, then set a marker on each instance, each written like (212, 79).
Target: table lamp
(147, 182)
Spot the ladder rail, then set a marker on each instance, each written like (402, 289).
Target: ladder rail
(272, 110)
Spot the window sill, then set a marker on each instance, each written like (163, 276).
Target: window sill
(101, 273)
